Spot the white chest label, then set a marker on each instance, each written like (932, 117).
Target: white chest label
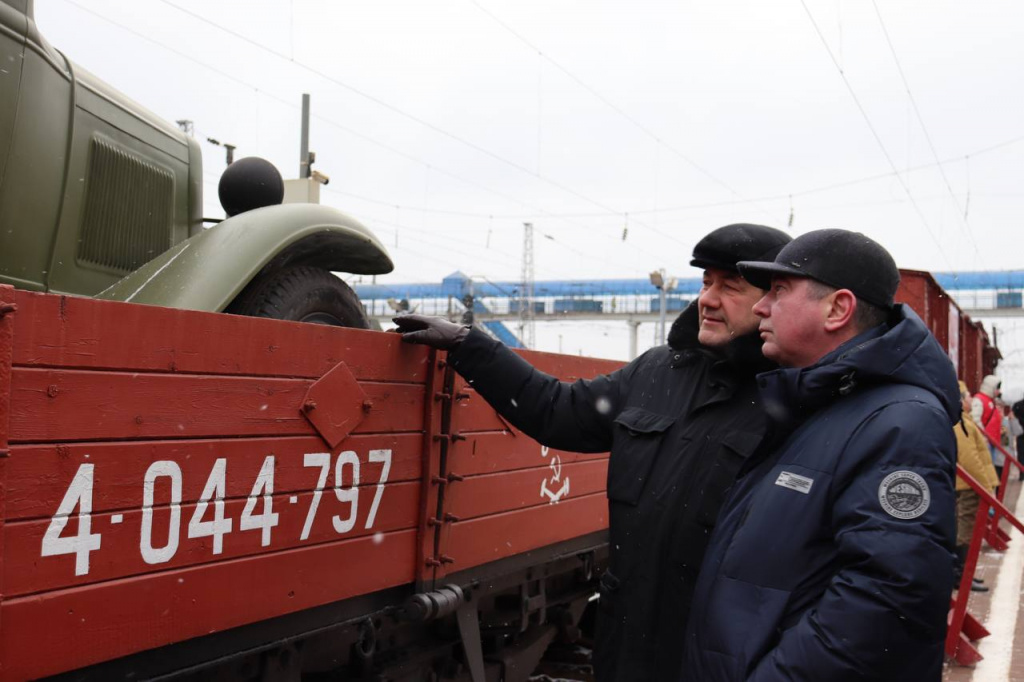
(796, 482)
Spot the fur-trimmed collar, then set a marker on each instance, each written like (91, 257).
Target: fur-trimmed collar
(743, 352)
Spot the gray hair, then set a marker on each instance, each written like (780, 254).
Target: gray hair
(866, 316)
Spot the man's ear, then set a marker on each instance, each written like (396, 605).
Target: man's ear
(842, 306)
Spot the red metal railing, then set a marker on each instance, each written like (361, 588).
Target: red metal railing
(963, 627)
(994, 535)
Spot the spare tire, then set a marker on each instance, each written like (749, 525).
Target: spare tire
(301, 293)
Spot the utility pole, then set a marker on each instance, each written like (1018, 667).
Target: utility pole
(306, 157)
(664, 286)
(526, 324)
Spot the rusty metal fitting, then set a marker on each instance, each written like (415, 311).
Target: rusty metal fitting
(309, 406)
(453, 477)
(457, 436)
(452, 518)
(367, 405)
(431, 561)
(7, 308)
(445, 559)
(434, 522)
(437, 604)
(442, 396)
(462, 396)
(441, 364)
(438, 480)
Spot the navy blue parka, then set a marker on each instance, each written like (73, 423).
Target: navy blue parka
(832, 557)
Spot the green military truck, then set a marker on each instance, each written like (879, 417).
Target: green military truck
(100, 197)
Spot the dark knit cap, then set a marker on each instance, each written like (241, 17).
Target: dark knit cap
(838, 258)
(725, 247)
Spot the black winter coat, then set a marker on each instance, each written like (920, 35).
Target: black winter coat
(832, 557)
(679, 420)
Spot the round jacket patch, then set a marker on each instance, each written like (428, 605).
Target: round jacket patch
(904, 495)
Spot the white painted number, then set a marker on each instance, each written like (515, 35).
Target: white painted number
(322, 460)
(269, 518)
(350, 494)
(214, 523)
(385, 457)
(150, 554)
(197, 528)
(79, 494)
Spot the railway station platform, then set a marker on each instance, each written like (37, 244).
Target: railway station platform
(1000, 610)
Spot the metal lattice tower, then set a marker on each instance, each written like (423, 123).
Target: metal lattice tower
(526, 323)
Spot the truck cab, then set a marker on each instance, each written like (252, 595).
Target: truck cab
(101, 197)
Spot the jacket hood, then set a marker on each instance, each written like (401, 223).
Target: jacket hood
(902, 351)
(989, 385)
(683, 333)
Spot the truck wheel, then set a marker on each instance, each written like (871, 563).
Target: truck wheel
(301, 294)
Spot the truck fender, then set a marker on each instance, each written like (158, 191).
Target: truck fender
(207, 271)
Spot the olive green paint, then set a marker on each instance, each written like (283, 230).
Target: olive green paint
(53, 114)
(209, 270)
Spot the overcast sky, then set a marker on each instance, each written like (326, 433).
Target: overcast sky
(445, 125)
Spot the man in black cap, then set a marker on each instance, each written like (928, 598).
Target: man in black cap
(832, 558)
(679, 420)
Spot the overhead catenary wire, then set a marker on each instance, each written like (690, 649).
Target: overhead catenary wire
(412, 117)
(924, 129)
(553, 214)
(611, 105)
(448, 248)
(714, 204)
(874, 133)
(541, 212)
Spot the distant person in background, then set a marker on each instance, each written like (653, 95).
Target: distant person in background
(1005, 438)
(1011, 430)
(1018, 416)
(987, 416)
(973, 455)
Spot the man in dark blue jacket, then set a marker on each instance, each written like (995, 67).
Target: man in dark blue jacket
(831, 559)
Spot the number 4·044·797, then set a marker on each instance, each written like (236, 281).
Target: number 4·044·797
(257, 514)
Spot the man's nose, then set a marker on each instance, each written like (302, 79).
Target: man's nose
(762, 307)
(709, 298)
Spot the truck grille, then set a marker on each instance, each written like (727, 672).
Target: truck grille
(129, 205)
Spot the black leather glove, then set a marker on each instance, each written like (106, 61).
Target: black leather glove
(435, 332)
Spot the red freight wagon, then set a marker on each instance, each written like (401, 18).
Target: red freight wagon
(198, 495)
(240, 498)
(965, 341)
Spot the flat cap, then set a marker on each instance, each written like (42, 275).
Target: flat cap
(725, 247)
(838, 258)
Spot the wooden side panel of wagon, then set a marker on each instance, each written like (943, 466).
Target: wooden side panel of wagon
(505, 493)
(165, 480)
(174, 474)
